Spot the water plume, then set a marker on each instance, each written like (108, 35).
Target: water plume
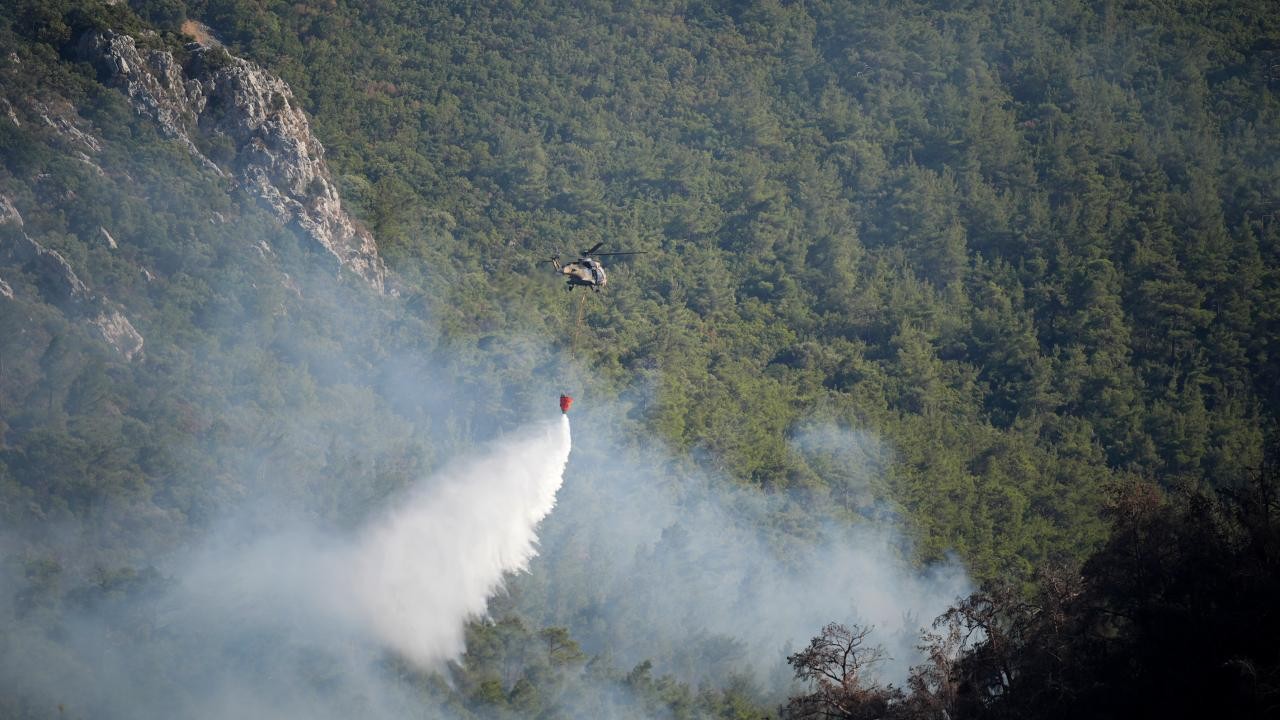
(435, 560)
(297, 622)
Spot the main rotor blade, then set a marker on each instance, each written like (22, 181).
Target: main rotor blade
(637, 252)
(593, 248)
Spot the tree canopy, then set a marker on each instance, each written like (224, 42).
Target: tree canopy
(1030, 250)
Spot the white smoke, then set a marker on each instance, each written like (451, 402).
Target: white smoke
(296, 622)
(708, 578)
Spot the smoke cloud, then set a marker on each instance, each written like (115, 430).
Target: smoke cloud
(709, 579)
(297, 623)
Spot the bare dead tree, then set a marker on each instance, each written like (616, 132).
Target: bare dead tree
(836, 664)
(934, 685)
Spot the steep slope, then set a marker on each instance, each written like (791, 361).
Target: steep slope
(59, 285)
(1031, 247)
(249, 120)
(1012, 257)
(174, 194)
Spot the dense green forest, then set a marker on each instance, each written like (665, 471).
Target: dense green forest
(1030, 252)
(1032, 247)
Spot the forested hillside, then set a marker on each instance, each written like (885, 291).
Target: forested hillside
(1034, 247)
(964, 274)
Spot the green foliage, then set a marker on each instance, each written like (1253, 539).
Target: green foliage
(1032, 249)
(1171, 618)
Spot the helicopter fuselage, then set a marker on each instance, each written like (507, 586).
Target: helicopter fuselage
(587, 272)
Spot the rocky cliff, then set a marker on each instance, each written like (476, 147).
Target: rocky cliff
(59, 285)
(264, 141)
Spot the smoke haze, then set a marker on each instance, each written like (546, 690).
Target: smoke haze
(296, 623)
(709, 579)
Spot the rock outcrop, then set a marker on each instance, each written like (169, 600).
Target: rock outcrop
(65, 128)
(217, 100)
(59, 285)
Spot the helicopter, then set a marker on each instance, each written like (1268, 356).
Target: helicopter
(586, 270)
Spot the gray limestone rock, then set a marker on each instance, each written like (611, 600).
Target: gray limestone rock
(60, 286)
(275, 154)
